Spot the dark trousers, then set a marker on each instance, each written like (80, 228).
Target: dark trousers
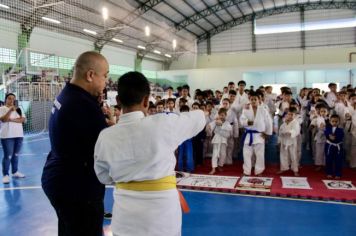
(11, 148)
(333, 160)
(79, 218)
(198, 146)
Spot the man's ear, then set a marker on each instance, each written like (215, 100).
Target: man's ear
(90, 75)
(146, 102)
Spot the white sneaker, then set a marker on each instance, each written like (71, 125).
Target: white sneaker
(18, 175)
(6, 179)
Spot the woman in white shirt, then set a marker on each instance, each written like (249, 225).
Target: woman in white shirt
(11, 135)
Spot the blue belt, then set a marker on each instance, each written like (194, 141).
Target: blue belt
(250, 132)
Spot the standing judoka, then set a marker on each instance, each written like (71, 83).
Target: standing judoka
(333, 148)
(138, 155)
(288, 138)
(258, 124)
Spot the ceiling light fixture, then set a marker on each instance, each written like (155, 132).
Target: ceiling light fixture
(4, 6)
(50, 20)
(117, 40)
(89, 31)
(147, 31)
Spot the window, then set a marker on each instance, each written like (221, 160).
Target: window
(7, 55)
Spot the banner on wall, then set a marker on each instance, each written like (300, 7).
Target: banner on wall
(161, 84)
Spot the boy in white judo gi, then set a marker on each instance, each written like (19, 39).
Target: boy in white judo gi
(350, 131)
(139, 158)
(222, 131)
(288, 138)
(258, 124)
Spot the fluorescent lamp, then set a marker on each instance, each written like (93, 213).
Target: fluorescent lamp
(51, 20)
(157, 52)
(147, 31)
(167, 55)
(89, 31)
(4, 6)
(141, 47)
(105, 13)
(308, 26)
(174, 43)
(117, 40)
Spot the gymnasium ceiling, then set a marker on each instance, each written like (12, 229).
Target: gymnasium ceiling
(187, 21)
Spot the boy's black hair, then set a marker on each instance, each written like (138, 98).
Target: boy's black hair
(183, 100)
(151, 106)
(184, 108)
(195, 104)
(260, 93)
(253, 94)
(209, 103)
(331, 84)
(179, 88)
(202, 105)
(160, 103)
(321, 105)
(226, 99)
(233, 92)
(117, 107)
(231, 83)
(132, 88)
(9, 94)
(292, 110)
(352, 95)
(186, 86)
(170, 87)
(287, 92)
(222, 110)
(293, 102)
(171, 100)
(241, 82)
(334, 116)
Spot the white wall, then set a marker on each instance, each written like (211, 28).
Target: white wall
(293, 76)
(8, 34)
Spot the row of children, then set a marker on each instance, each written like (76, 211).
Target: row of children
(241, 120)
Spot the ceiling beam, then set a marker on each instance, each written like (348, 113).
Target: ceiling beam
(184, 16)
(206, 5)
(207, 12)
(277, 11)
(195, 10)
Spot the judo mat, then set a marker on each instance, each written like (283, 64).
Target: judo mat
(310, 185)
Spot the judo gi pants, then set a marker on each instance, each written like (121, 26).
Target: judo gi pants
(219, 155)
(258, 150)
(79, 218)
(288, 155)
(333, 160)
(229, 150)
(319, 154)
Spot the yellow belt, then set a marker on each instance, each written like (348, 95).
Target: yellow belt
(165, 183)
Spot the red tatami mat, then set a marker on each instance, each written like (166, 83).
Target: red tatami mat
(318, 192)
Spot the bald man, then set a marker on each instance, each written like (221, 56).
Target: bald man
(68, 178)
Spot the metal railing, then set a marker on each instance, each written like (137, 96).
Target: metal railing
(36, 91)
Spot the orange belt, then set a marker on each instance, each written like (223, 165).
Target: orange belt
(165, 183)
